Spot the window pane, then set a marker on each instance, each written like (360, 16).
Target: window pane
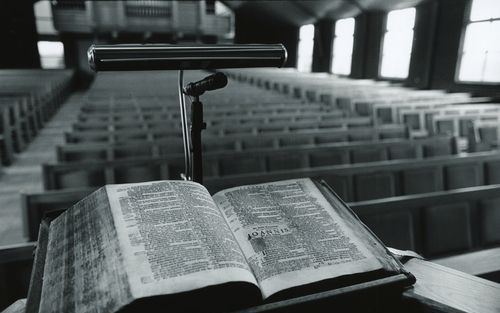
(401, 19)
(341, 64)
(342, 55)
(344, 27)
(306, 44)
(342, 46)
(492, 67)
(471, 66)
(484, 9)
(475, 37)
(494, 44)
(400, 41)
(51, 54)
(307, 32)
(480, 61)
(395, 65)
(397, 43)
(396, 54)
(43, 18)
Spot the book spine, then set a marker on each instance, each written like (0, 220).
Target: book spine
(36, 281)
(328, 192)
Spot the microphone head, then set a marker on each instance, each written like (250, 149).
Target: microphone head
(212, 82)
(218, 80)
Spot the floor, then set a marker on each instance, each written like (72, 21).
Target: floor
(25, 174)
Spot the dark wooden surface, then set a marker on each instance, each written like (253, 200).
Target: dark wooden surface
(441, 289)
(438, 289)
(483, 263)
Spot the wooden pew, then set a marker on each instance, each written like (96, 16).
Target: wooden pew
(406, 98)
(354, 95)
(30, 105)
(36, 206)
(7, 134)
(143, 105)
(45, 89)
(364, 181)
(312, 121)
(164, 113)
(15, 271)
(463, 219)
(16, 127)
(361, 181)
(384, 112)
(387, 109)
(441, 289)
(483, 263)
(27, 101)
(343, 152)
(315, 135)
(483, 136)
(216, 105)
(142, 162)
(384, 105)
(458, 124)
(421, 120)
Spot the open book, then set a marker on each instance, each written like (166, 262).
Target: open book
(170, 245)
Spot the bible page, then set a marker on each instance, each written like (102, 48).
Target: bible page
(174, 238)
(83, 270)
(291, 235)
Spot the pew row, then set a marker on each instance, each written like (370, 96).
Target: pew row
(438, 121)
(229, 116)
(27, 101)
(246, 136)
(364, 181)
(240, 124)
(143, 167)
(359, 181)
(463, 219)
(466, 219)
(389, 111)
(352, 95)
(332, 153)
(483, 136)
(145, 106)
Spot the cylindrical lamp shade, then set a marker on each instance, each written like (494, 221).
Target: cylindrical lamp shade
(130, 57)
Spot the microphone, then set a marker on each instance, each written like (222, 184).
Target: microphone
(130, 57)
(212, 82)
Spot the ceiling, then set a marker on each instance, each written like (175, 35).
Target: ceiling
(300, 12)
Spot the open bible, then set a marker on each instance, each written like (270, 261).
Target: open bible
(171, 245)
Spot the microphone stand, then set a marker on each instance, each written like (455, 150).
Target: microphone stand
(187, 175)
(193, 160)
(197, 125)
